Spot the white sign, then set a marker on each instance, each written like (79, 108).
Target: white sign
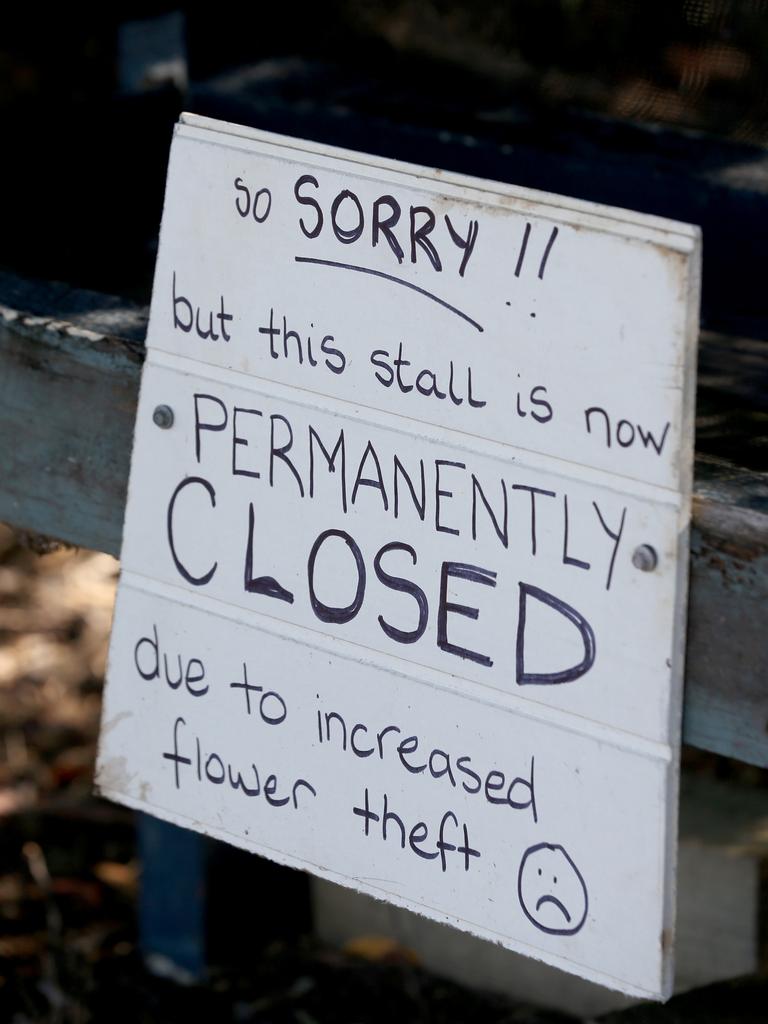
(403, 583)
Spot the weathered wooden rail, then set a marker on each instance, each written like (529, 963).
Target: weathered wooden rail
(70, 364)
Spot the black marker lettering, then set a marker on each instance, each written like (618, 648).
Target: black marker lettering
(347, 235)
(541, 417)
(567, 560)
(237, 440)
(420, 506)
(223, 317)
(409, 746)
(442, 846)
(196, 581)
(382, 734)
(179, 300)
(466, 244)
(366, 813)
(362, 481)
(473, 574)
(197, 677)
(290, 335)
(272, 331)
(242, 188)
(399, 363)
(270, 788)
(308, 179)
(419, 235)
(588, 413)
(614, 536)
(333, 354)
(301, 784)
(359, 751)
(236, 781)
(426, 384)
(200, 425)
(443, 494)
(624, 439)
(533, 491)
(219, 774)
(334, 716)
(279, 452)
(418, 834)
(267, 586)
(266, 207)
(327, 613)
(173, 683)
(441, 770)
(175, 756)
(210, 333)
(154, 644)
(330, 459)
(462, 764)
(403, 586)
(567, 675)
(384, 225)
(502, 531)
(526, 784)
(647, 438)
(378, 358)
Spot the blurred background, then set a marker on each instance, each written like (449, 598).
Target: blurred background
(653, 105)
(660, 105)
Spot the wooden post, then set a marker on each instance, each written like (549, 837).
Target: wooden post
(172, 902)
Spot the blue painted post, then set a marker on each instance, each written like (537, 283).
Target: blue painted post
(172, 901)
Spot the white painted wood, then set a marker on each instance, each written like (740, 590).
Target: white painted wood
(628, 687)
(575, 785)
(629, 336)
(477, 648)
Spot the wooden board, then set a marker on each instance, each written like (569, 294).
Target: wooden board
(379, 615)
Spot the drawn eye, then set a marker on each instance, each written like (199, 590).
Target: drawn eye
(539, 872)
(555, 879)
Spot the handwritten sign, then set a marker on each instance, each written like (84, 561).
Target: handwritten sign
(404, 564)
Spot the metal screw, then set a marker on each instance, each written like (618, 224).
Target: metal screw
(644, 558)
(163, 417)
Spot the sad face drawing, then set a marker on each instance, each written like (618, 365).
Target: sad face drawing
(551, 890)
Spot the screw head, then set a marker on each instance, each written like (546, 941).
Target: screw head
(163, 417)
(644, 558)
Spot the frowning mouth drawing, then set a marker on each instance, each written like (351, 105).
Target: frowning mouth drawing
(551, 890)
(556, 902)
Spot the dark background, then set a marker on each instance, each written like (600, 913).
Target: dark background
(648, 104)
